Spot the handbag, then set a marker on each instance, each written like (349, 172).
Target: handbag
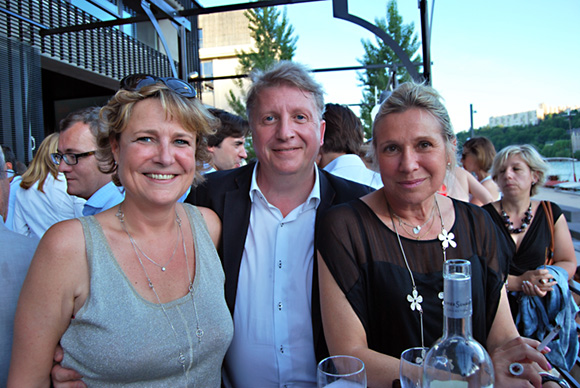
(550, 249)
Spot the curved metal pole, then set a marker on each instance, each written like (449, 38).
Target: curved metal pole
(147, 10)
(340, 9)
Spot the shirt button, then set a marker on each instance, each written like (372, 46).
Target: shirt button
(280, 306)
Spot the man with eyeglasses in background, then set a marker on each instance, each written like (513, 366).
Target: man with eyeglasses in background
(76, 158)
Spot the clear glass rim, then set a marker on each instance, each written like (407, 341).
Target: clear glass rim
(362, 366)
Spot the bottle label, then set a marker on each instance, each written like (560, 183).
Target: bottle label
(457, 299)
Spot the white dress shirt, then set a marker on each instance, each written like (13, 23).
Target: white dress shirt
(35, 211)
(352, 167)
(273, 340)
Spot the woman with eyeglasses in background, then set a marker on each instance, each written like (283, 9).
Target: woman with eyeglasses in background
(41, 199)
(134, 294)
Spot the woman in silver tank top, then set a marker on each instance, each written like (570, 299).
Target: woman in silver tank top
(134, 294)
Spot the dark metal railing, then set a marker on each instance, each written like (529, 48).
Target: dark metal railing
(107, 50)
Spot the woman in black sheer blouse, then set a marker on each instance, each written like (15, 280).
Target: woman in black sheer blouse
(381, 257)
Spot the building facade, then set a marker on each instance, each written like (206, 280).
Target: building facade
(58, 56)
(528, 118)
(222, 37)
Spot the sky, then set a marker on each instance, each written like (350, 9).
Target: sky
(502, 56)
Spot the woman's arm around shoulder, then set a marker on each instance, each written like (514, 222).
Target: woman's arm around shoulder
(55, 288)
(214, 224)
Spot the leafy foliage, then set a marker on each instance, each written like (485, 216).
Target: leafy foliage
(376, 81)
(551, 136)
(274, 41)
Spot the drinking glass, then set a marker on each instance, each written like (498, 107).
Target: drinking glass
(341, 372)
(411, 369)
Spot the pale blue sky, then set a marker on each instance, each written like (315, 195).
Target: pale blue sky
(503, 56)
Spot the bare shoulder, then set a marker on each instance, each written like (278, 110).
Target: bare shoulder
(214, 224)
(59, 268)
(63, 239)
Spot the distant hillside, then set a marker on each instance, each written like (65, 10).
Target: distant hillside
(551, 136)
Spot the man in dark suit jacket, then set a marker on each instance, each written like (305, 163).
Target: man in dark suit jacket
(285, 108)
(226, 193)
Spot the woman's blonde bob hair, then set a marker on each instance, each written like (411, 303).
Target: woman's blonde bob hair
(530, 156)
(188, 112)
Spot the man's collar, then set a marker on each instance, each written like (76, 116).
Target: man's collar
(314, 195)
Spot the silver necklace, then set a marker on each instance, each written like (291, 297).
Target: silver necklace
(163, 267)
(198, 332)
(415, 299)
(416, 229)
(134, 243)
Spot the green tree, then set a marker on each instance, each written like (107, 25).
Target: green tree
(375, 81)
(274, 41)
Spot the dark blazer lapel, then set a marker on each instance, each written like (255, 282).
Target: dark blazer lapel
(236, 221)
(327, 195)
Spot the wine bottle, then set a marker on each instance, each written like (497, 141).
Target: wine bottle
(457, 359)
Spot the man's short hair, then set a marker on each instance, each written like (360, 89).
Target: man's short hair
(89, 116)
(231, 126)
(344, 131)
(9, 157)
(284, 73)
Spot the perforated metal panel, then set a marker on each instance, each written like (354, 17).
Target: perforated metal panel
(20, 98)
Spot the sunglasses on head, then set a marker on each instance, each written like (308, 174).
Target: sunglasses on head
(137, 81)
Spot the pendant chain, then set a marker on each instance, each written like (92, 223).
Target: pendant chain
(415, 299)
(416, 229)
(199, 332)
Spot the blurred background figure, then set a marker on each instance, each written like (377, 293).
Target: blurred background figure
(41, 198)
(227, 145)
(15, 257)
(14, 169)
(77, 145)
(342, 149)
(461, 185)
(477, 157)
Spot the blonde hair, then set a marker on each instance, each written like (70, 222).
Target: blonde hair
(41, 164)
(189, 112)
(530, 156)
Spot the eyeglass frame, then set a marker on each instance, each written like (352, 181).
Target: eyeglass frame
(184, 89)
(56, 157)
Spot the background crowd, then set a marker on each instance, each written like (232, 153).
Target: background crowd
(203, 269)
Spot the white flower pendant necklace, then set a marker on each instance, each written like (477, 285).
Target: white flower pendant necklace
(447, 239)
